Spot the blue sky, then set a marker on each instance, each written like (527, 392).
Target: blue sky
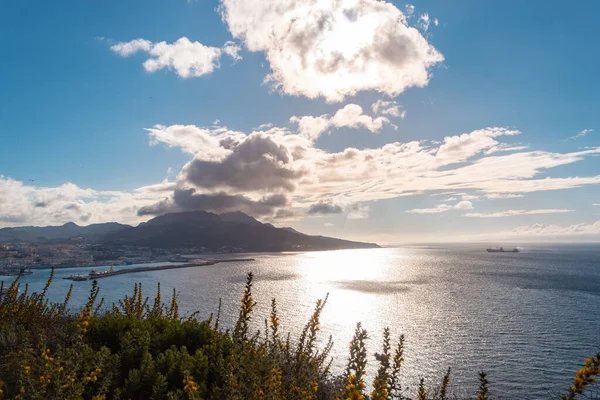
(75, 110)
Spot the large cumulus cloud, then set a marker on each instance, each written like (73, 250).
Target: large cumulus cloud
(257, 163)
(190, 200)
(333, 49)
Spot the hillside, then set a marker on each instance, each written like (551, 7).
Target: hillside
(66, 231)
(200, 228)
(187, 229)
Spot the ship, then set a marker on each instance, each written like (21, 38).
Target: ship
(79, 277)
(16, 272)
(94, 273)
(501, 250)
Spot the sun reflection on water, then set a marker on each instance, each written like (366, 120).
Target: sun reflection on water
(350, 277)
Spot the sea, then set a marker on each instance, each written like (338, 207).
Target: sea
(527, 319)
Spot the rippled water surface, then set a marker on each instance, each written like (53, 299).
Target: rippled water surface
(528, 319)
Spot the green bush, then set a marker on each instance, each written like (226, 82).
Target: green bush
(138, 350)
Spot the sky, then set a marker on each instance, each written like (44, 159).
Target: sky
(370, 120)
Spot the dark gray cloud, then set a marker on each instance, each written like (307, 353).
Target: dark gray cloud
(189, 200)
(324, 208)
(258, 163)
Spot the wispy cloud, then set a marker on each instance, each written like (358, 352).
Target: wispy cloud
(512, 213)
(388, 108)
(537, 230)
(581, 134)
(440, 208)
(503, 196)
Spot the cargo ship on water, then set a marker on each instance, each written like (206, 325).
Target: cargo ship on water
(501, 250)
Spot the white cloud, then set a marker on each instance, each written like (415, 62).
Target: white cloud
(556, 230)
(206, 143)
(333, 49)
(512, 213)
(580, 134)
(452, 198)
(328, 224)
(22, 204)
(596, 204)
(232, 49)
(125, 49)
(279, 173)
(358, 211)
(440, 208)
(350, 116)
(460, 148)
(424, 21)
(388, 107)
(188, 59)
(312, 175)
(263, 127)
(503, 196)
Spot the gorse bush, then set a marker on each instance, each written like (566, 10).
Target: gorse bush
(142, 349)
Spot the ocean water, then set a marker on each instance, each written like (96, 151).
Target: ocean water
(527, 319)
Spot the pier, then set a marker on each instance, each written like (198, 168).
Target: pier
(124, 271)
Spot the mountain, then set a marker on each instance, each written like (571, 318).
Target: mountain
(66, 231)
(232, 230)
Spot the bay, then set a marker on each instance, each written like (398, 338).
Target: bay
(528, 319)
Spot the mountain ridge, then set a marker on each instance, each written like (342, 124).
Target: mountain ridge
(189, 229)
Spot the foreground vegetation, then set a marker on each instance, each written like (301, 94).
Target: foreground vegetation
(143, 349)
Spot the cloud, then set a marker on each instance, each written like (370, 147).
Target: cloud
(460, 148)
(263, 127)
(503, 196)
(424, 21)
(125, 49)
(537, 230)
(512, 213)
(350, 116)
(277, 161)
(389, 108)
(358, 211)
(440, 208)
(280, 161)
(188, 59)
(452, 198)
(189, 200)
(257, 163)
(596, 204)
(22, 204)
(581, 134)
(333, 49)
(324, 209)
(205, 143)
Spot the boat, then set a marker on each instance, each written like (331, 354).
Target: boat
(16, 272)
(94, 273)
(501, 250)
(79, 277)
